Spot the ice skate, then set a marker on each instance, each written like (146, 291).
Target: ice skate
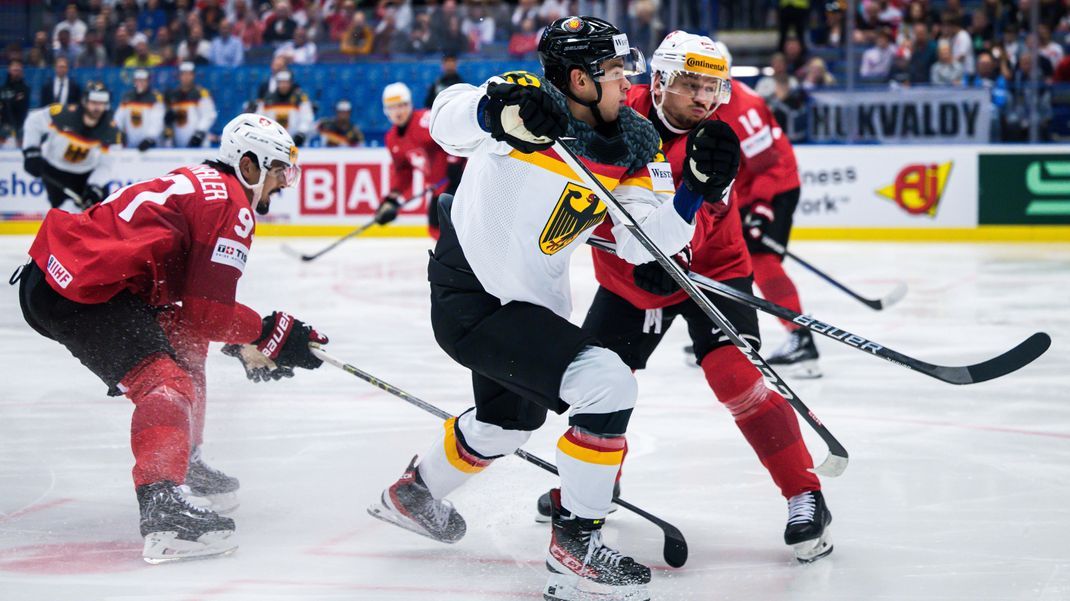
(542, 507)
(798, 356)
(175, 529)
(204, 481)
(808, 526)
(583, 568)
(408, 503)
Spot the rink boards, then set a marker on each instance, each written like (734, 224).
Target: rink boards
(936, 193)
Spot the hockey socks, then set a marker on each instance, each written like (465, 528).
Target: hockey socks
(588, 464)
(766, 420)
(162, 394)
(775, 284)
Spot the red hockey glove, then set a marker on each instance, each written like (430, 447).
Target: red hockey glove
(758, 219)
(284, 339)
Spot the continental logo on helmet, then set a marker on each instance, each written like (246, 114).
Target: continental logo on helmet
(522, 78)
(577, 210)
(293, 155)
(573, 25)
(705, 65)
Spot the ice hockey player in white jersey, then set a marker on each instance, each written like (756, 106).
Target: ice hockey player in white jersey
(70, 147)
(500, 298)
(141, 113)
(290, 106)
(191, 112)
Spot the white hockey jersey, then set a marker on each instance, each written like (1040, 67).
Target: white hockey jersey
(68, 145)
(191, 111)
(519, 217)
(293, 111)
(140, 116)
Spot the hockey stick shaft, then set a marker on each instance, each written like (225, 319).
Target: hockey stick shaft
(76, 197)
(876, 305)
(1010, 361)
(675, 549)
(836, 462)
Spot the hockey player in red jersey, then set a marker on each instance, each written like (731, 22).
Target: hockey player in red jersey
(412, 152)
(635, 305)
(137, 286)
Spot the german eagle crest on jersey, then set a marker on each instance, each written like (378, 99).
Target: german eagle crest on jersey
(577, 210)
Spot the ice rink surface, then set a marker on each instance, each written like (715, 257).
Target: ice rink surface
(952, 493)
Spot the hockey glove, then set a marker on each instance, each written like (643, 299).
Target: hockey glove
(32, 161)
(145, 144)
(712, 159)
(388, 209)
(299, 139)
(757, 220)
(258, 368)
(92, 195)
(284, 340)
(197, 139)
(653, 278)
(525, 117)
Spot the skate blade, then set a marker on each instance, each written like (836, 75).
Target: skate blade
(545, 519)
(810, 551)
(166, 547)
(804, 370)
(570, 587)
(390, 515)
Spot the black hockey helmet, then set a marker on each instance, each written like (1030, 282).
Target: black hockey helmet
(585, 43)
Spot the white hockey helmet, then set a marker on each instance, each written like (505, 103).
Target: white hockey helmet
(396, 93)
(266, 140)
(686, 53)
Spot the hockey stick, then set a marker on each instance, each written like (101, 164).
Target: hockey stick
(71, 194)
(675, 550)
(879, 304)
(836, 461)
(360, 230)
(1018, 357)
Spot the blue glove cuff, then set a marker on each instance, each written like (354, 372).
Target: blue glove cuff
(481, 114)
(687, 203)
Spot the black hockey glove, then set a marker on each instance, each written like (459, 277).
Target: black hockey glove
(388, 209)
(92, 195)
(299, 139)
(712, 159)
(525, 117)
(653, 278)
(145, 144)
(197, 139)
(258, 368)
(285, 339)
(32, 161)
(757, 220)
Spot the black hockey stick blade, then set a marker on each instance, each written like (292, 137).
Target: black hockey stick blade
(1018, 357)
(675, 550)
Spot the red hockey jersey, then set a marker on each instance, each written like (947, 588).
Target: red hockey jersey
(181, 238)
(413, 151)
(718, 250)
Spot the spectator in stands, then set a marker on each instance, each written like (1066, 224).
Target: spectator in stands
(1048, 48)
(66, 48)
(278, 65)
(643, 32)
(195, 48)
(358, 37)
(868, 23)
(946, 71)
(338, 21)
(988, 77)
(525, 41)
(832, 32)
(1011, 43)
(60, 88)
(889, 15)
(452, 41)
(14, 98)
(279, 25)
(525, 9)
(448, 77)
(121, 49)
(922, 55)
(1023, 98)
(72, 24)
(788, 106)
(876, 63)
(960, 40)
(43, 46)
(151, 17)
(981, 31)
(419, 41)
(142, 57)
(792, 14)
(290, 106)
(766, 86)
(817, 75)
(385, 32)
(477, 28)
(247, 28)
(125, 10)
(226, 50)
(300, 50)
(93, 55)
(339, 130)
(1062, 71)
(212, 14)
(793, 53)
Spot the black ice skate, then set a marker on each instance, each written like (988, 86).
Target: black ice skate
(408, 503)
(798, 356)
(583, 568)
(807, 529)
(542, 507)
(219, 489)
(175, 529)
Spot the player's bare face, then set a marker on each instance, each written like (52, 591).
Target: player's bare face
(399, 113)
(615, 86)
(93, 111)
(276, 179)
(689, 99)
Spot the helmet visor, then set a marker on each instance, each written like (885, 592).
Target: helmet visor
(630, 64)
(290, 175)
(700, 87)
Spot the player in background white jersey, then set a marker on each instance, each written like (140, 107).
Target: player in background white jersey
(500, 298)
(141, 113)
